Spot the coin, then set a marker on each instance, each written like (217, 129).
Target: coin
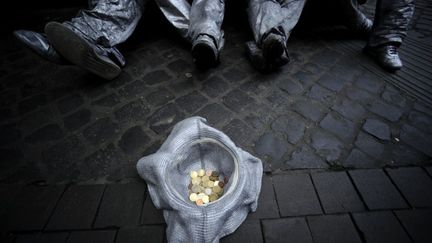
(221, 184)
(215, 173)
(216, 189)
(193, 197)
(199, 202)
(196, 181)
(210, 184)
(213, 197)
(195, 189)
(208, 191)
(205, 199)
(201, 172)
(193, 174)
(208, 172)
(205, 178)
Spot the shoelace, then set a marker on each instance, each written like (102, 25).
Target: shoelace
(392, 50)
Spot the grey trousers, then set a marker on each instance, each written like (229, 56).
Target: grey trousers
(193, 18)
(392, 18)
(276, 16)
(108, 22)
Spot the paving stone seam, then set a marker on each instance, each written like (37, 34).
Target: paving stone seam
(275, 195)
(55, 207)
(393, 212)
(98, 207)
(357, 228)
(397, 188)
(357, 191)
(316, 193)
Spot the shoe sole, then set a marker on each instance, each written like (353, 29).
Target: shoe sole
(204, 55)
(76, 50)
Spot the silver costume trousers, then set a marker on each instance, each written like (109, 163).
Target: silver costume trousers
(108, 22)
(273, 16)
(391, 21)
(195, 18)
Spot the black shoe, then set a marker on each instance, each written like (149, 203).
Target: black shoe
(81, 52)
(273, 47)
(38, 43)
(386, 56)
(205, 52)
(256, 57)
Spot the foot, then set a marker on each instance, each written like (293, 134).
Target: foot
(273, 47)
(386, 56)
(39, 44)
(256, 57)
(205, 52)
(81, 52)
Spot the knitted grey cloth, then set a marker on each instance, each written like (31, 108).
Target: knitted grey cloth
(193, 145)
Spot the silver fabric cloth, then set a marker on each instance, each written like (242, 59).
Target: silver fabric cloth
(193, 145)
(276, 16)
(392, 18)
(193, 18)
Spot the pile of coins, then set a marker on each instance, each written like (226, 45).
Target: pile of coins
(206, 186)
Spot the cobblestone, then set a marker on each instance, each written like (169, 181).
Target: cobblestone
(134, 139)
(100, 131)
(377, 128)
(288, 229)
(339, 126)
(291, 125)
(326, 145)
(333, 229)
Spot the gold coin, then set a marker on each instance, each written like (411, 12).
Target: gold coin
(193, 197)
(201, 172)
(193, 174)
(205, 199)
(210, 184)
(205, 178)
(208, 191)
(216, 189)
(215, 173)
(221, 192)
(213, 197)
(196, 181)
(195, 188)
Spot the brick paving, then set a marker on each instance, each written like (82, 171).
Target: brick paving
(346, 147)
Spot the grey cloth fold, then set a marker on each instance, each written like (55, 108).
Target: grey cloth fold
(277, 16)
(392, 18)
(193, 145)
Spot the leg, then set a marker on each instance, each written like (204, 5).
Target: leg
(391, 22)
(89, 39)
(351, 16)
(177, 13)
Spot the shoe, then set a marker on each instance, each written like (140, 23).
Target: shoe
(273, 47)
(256, 57)
(205, 52)
(81, 52)
(386, 56)
(39, 44)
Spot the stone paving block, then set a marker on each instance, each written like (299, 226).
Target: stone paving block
(107, 101)
(286, 230)
(100, 131)
(359, 95)
(392, 113)
(291, 125)
(60, 237)
(377, 128)
(421, 121)
(101, 236)
(234, 75)
(214, 113)
(77, 208)
(121, 205)
(429, 170)
(339, 126)
(304, 158)
(377, 190)
(326, 145)
(417, 223)
(156, 77)
(415, 185)
(290, 86)
(370, 82)
(32, 103)
(336, 192)
(150, 214)
(191, 102)
(333, 229)
(215, 86)
(7, 197)
(313, 110)
(32, 207)
(394, 96)
(331, 82)
(238, 101)
(358, 159)
(240, 133)
(267, 206)
(416, 138)
(160, 97)
(136, 110)
(249, 231)
(378, 227)
(272, 147)
(165, 117)
(70, 103)
(144, 234)
(296, 195)
(48, 133)
(77, 119)
(319, 93)
(369, 145)
(350, 109)
(133, 140)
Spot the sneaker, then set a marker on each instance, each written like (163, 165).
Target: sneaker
(386, 56)
(81, 52)
(273, 47)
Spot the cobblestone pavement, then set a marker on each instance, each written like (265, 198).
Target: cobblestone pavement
(354, 141)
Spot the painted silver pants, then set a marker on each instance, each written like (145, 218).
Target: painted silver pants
(273, 16)
(391, 22)
(193, 18)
